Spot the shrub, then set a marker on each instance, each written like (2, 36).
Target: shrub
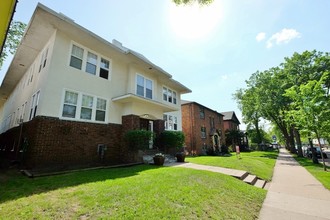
(138, 139)
(171, 139)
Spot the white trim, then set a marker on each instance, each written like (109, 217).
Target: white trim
(145, 87)
(79, 105)
(84, 60)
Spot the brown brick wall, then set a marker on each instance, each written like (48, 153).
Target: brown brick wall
(192, 123)
(60, 144)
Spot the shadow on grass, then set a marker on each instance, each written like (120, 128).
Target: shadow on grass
(306, 162)
(14, 185)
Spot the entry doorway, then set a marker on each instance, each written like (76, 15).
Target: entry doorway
(148, 125)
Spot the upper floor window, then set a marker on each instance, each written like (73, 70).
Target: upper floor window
(91, 62)
(144, 87)
(104, 68)
(77, 55)
(211, 122)
(43, 60)
(169, 95)
(84, 107)
(201, 113)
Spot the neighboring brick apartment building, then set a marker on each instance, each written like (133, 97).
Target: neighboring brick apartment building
(230, 121)
(69, 96)
(202, 126)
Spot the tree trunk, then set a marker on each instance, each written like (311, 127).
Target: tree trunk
(318, 139)
(291, 141)
(298, 141)
(314, 158)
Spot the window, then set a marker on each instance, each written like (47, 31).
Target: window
(143, 87)
(171, 122)
(169, 95)
(203, 132)
(100, 109)
(77, 54)
(201, 113)
(86, 107)
(148, 88)
(211, 122)
(174, 97)
(104, 68)
(91, 63)
(34, 105)
(139, 85)
(164, 94)
(70, 104)
(43, 60)
(83, 59)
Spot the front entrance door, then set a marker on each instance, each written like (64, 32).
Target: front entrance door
(148, 125)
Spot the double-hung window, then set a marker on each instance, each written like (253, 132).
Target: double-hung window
(203, 132)
(70, 104)
(104, 68)
(77, 55)
(100, 109)
(34, 105)
(169, 95)
(144, 87)
(91, 63)
(84, 107)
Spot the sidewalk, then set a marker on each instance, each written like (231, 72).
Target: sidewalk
(294, 193)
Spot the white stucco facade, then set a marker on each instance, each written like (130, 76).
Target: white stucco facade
(43, 78)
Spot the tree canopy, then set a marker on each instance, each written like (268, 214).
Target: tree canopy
(14, 36)
(200, 2)
(294, 96)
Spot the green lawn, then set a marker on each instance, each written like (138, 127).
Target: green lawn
(139, 192)
(260, 163)
(316, 170)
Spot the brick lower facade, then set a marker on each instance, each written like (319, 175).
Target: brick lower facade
(55, 144)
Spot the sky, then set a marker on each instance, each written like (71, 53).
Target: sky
(211, 49)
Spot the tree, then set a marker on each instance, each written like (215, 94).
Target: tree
(14, 36)
(185, 2)
(311, 107)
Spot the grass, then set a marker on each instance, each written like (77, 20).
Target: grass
(139, 192)
(316, 170)
(260, 163)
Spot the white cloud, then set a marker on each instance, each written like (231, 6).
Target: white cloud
(284, 36)
(261, 36)
(224, 77)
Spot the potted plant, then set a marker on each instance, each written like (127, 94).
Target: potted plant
(159, 159)
(173, 140)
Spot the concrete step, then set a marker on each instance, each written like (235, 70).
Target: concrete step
(250, 179)
(260, 183)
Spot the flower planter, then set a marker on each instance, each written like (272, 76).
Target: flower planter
(159, 160)
(180, 157)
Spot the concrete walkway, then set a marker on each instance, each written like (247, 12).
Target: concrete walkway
(294, 193)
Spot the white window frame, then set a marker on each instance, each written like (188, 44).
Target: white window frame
(171, 122)
(34, 105)
(169, 95)
(98, 65)
(144, 86)
(79, 106)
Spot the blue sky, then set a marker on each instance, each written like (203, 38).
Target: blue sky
(212, 50)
